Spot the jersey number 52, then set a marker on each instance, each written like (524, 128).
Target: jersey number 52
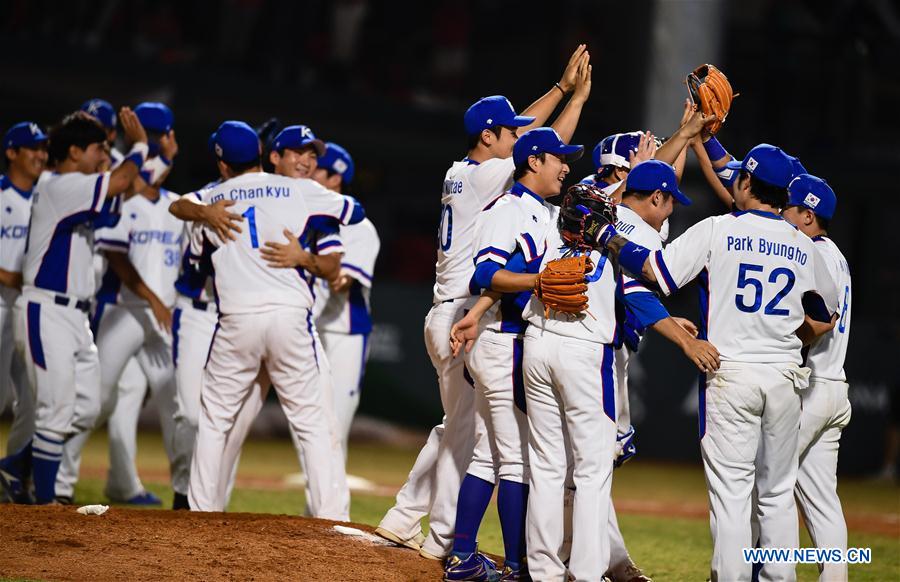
(750, 280)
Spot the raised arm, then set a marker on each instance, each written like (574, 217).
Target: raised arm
(567, 121)
(709, 173)
(548, 102)
(122, 177)
(670, 150)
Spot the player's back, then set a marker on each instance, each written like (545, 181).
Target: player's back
(270, 204)
(759, 269)
(468, 188)
(827, 354)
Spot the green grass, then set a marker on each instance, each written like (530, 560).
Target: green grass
(667, 548)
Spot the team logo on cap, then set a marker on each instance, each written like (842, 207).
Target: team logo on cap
(490, 121)
(811, 200)
(218, 150)
(34, 128)
(751, 164)
(340, 166)
(306, 132)
(93, 107)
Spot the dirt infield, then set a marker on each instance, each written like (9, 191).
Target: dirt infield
(56, 543)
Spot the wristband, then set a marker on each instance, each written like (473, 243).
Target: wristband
(714, 149)
(606, 233)
(632, 258)
(558, 86)
(138, 154)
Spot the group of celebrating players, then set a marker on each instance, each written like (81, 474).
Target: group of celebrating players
(110, 286)
(537, 306)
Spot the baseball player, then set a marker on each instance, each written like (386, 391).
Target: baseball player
(52, 326)
(825, 407)
(344, 316)
(133, 319)
(755, 273)
(25, 149)
(265, 314)
(485, 173)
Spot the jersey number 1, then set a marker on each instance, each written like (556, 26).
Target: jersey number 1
(250, 215)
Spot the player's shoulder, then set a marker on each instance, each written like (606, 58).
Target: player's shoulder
(829, 251)
(634, 228)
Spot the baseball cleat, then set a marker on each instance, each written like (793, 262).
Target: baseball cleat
(474, 567)
(513, 572)
(63, 500)
(144, 498)
(180, 501)
(413, 543)
(628, 572)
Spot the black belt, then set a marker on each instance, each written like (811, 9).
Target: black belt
(79, 304)
(202, 305)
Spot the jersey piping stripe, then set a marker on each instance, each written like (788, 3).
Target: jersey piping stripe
(329, 244)
(176, 327)
(608, 382)
(518, 374)
(532, 248)
(664, 271)
(312, 336)
(358, 270)
(33, 315)
(489, 253)
(703, 288)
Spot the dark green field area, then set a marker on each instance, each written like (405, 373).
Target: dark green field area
(662, 507)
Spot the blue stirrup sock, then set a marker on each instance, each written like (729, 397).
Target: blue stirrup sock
(474, 496)
(512, 503)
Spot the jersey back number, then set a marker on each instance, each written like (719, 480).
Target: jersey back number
(751, 288)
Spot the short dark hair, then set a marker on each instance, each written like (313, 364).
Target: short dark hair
(474, 139)
(642, 194)
(525, 168)
(76, 129)
(239, 168)
(766, 193)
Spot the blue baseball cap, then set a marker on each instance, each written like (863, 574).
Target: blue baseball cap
(651, 175)
(613, 150)
(796, 167)
(814, 193)
(544, 140)
(337, 160)
(492, 111)
(155, 116)
(297, 137)
(235, 142)
(767, 163)
(24, 134)
(102, 110)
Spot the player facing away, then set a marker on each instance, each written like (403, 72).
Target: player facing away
(265, 315)
(825, 406)
(344, 315)
(758, 276)
(25, 149)
(61, 358)
(492, 128)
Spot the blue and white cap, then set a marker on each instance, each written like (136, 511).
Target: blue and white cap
(767, 163)
(489, 112)
(298, 137)
(155, 116)
(613, 150)
(729, 173)
(337, 160)
(102, 110)
(544, 140)
(235, 142)
(24, 134)
(651, 175)
(814, 193)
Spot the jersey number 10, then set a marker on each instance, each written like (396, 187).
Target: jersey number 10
(446, 226)
(751, 301)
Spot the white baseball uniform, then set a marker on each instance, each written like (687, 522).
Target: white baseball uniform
(15, 213)
(61, 358)
(266, 315)
(345, 321)
(570, 389)
(433, 483)
(826, 411)
(754, 270)
(126, 328)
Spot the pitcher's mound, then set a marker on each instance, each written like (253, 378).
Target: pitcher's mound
(56, 543)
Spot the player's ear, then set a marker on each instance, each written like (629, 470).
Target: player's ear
(75, 153)
(333, 182)
(487, 137)
(534, 162)
(274, 157)
(11, 153)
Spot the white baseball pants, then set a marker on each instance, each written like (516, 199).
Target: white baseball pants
(15, 390)
(570, 391)
(347, 355)
(751, 415)
(826, 411)
(192, 333)
(501, 426)
(123, 333)
(281, 338)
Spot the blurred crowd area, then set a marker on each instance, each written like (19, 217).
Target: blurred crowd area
(390, 81)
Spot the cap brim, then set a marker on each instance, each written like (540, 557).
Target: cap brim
(681, 197)
(572, 153)
(317, 144)
(519, 121)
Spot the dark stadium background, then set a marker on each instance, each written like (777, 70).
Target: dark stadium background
(391, 80)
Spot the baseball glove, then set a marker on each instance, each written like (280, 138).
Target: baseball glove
(561, 287)
(585, 209)
(712, 93)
